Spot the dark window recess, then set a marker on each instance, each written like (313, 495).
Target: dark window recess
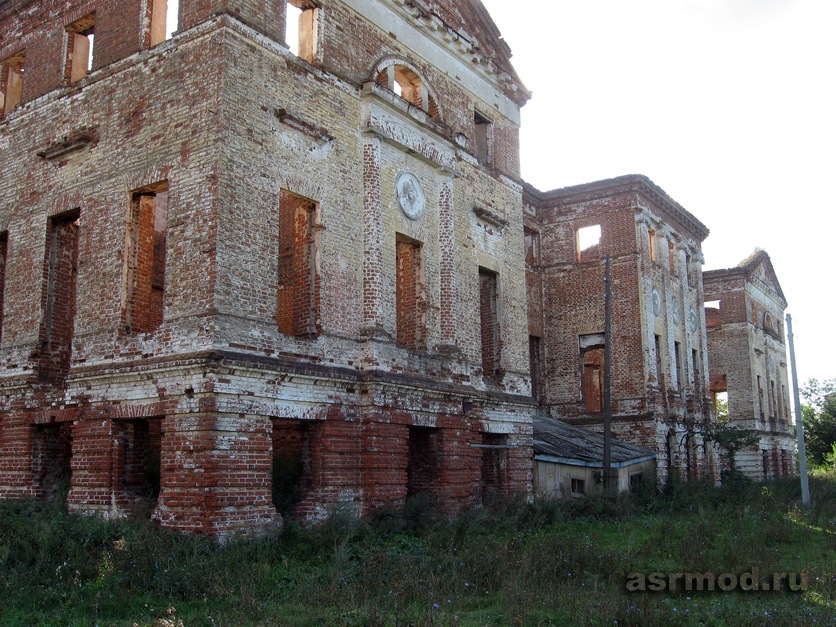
(489, 322)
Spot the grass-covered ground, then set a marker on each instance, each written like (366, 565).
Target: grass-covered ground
(560, 563)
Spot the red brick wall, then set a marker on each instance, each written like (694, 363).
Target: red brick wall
(4, 247)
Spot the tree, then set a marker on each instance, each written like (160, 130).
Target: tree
(818, 411)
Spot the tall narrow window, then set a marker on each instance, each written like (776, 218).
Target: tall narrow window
(658, 345)
(672, 257)
(532, 247)
(651, 241)
(695, 370)
(297, 311)
(409, 298)
(4, 251)
(482, 138)
(535, 361)
(80, 36)
(772, 400)
(489, 322)
(760, 397)
(301, 25)
(677, 363)
(11, 82)
(60, 269)
(146, 252)
(163, 20)
(592, 362)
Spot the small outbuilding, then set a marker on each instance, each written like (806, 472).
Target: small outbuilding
(569, 461)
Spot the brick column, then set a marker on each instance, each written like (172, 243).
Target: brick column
(373, 237)
(215, 474)
(16, 436)
(447, 244)
(92, 465)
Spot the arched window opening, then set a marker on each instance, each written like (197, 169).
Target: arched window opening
(407, 84)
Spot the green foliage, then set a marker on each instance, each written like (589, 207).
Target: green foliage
(819, 417)
(545, 563)
(730, 439)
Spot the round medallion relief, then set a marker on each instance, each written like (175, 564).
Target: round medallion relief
(657, 302)
(410, 195)
(692, 319)
(676, 311)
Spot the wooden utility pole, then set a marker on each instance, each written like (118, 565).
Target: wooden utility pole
(608, 482)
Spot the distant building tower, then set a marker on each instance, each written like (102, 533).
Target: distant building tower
(659, 380)
(748, 361)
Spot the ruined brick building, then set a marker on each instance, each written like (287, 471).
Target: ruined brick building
(219, 256)
(744, 314)
(659, 388)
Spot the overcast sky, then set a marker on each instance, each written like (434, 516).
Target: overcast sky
(727, 105)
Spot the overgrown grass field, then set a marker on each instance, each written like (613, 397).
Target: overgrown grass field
(550, 563)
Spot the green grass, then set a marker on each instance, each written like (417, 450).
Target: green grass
(550, 563)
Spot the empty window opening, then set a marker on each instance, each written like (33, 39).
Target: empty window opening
(80, 37)
(291, 473)
(146, 258)
(773, 404)
(11, 82)
(658, 346)
(589, 242)
(297, 312)
(671, 453)
(651, 240)
(483, 131)
(163, 20)
(677, 364)
(765, 463)
(578, 487)
(768, 325)
(535, 362)
(672, 257)
(409, 294)
(137, 464)
(760, 398)
(721, 405)
(4, 250)
(59, 291)
(689, 270)
(301, 25)
(422, 469)
(592, 363)
(407, 84)
(489, 322)
(494, 465)
(695, 367)
(712, 314)
(532, 247)
(51, 459)
(784, 402)
(785, 464)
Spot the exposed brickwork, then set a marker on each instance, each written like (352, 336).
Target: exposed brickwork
(180, 158)
(653, 296)
(748, 361)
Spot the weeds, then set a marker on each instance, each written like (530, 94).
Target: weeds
(550, 562)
